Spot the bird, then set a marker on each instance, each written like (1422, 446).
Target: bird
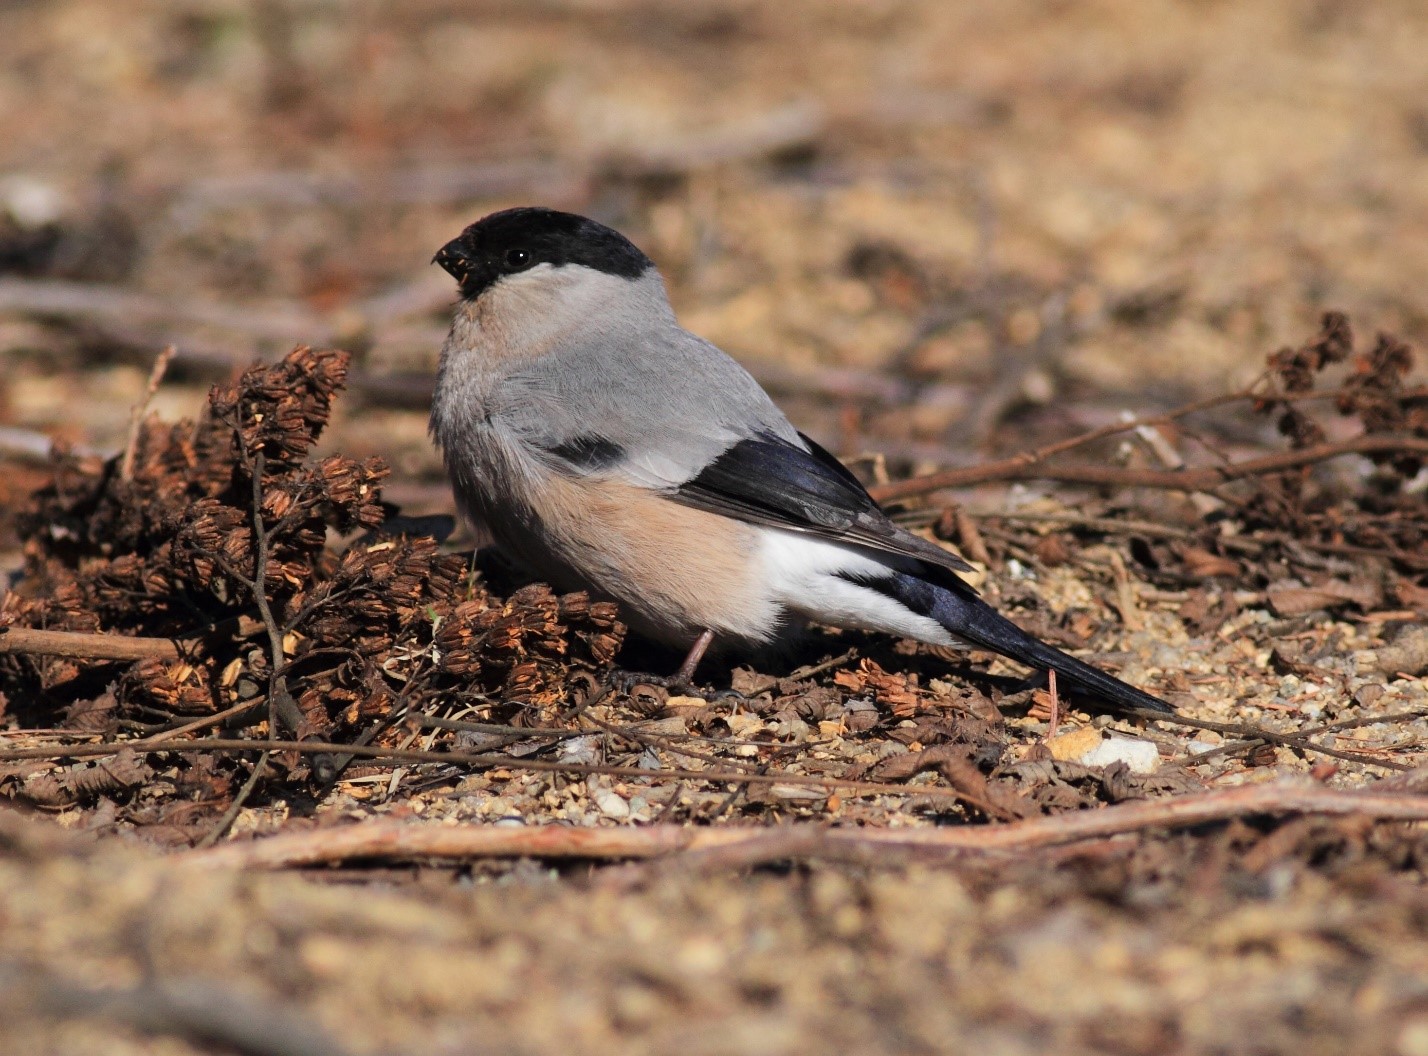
(592, 439)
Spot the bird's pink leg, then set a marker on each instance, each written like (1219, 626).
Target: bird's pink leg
(685, 674)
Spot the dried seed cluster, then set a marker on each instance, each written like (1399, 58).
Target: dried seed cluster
(1375, 392)
(1385, 516)
(177, 551)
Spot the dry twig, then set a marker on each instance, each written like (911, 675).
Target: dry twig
(474, 759)
(1030, 466)
(136, 416)
(86, 646)
(383, 839)
(1253, 736)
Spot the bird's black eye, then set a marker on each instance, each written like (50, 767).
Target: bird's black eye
(517, 260)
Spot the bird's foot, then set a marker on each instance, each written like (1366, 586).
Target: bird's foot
(627, 682)
(682, 681)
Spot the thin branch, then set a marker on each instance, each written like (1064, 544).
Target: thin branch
(280, 702)
(82, 645)
(502, 735)
(236, 807)
(208, 720)
(1253, 736)
(90, 645)
(385, 839)
(474, 759)
(1071, 519)
(1029, 467)
(1151, 530)
(810, 670)
(260, 567)
(136, 415)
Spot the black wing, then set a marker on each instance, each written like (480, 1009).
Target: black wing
(768, 480)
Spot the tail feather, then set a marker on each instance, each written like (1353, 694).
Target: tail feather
(972, 619)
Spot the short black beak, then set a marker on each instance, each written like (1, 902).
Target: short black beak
(454, 260)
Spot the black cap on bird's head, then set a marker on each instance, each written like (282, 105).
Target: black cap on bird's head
(516, 240)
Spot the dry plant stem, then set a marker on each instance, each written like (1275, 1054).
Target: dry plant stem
(236, 807)
(82, 645)
(655, 741)
(1131, 424)
(1029, 467)
(1235, 748)
(283, 707)
(507, 735)
(136, 416)
(475, 759)
(810, 670)
(734, 795)
(86, 645)
(516, 734)
(970, 538)
(384, 839)
(327, 769)
(1116, 526)
(1125, 602)
(1239, 544)
(1257, 735)
(208, 720)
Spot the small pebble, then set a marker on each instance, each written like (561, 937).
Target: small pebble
(611, 804)
(1141, 756)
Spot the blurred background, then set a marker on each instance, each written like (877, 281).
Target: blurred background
(935, 230)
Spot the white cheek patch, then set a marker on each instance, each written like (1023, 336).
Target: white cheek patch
(528, 310)
(536, 277)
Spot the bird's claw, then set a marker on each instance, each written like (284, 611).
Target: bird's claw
(627, 682)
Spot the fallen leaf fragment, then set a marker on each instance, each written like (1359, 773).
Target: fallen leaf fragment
(1405, 655)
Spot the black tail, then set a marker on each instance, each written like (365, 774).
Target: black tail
(970, 618)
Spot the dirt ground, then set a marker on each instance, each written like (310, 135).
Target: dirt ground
(941, 234)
